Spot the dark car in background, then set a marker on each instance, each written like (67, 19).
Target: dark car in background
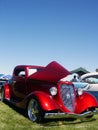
(4, 79)
(2, 82)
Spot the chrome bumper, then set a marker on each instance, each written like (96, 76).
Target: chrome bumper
(71, 115)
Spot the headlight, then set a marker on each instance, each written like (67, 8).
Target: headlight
(53, 91)
(80, 91)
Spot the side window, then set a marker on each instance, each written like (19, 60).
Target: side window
(20, 72)
(92, 80)
(89, 80)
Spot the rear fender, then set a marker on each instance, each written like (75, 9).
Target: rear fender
(85, 101)
(46, 101)
(6, 92)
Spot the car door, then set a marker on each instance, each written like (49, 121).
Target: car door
(19, 84)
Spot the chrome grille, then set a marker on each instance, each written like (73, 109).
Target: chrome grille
(68, 96)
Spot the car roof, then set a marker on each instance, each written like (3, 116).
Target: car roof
(28, 66)
(89, 75)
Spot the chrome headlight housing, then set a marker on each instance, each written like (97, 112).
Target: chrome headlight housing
(79, 91)
(53, 91)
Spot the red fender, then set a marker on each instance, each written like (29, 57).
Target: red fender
(84, 102)
(46, 101)
(6, 92)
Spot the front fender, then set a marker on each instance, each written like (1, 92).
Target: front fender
(85, 101)
(46, 101)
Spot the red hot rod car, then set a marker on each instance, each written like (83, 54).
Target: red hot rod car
(39, 90)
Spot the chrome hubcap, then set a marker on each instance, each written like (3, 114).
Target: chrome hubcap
(33, 110)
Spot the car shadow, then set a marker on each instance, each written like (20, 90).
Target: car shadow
(18, 110)
(67, 121)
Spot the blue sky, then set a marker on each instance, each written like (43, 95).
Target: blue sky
(37, 32)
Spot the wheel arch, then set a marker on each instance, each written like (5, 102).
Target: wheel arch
(6, 90)
(85, 102)
(45, 101)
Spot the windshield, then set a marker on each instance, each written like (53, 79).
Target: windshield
(91, 80)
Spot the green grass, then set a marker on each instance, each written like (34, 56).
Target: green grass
(12, 118)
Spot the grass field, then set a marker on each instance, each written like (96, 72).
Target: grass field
(12, 118)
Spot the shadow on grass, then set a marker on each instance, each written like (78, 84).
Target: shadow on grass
(18, 110)
(51, 122)
(67, 121)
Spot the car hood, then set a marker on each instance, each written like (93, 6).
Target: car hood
(53, 72)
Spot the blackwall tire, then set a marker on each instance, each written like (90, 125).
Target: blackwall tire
(35, 114)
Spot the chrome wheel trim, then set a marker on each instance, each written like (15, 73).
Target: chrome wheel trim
(33, 110)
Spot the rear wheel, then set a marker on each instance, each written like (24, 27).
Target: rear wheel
(2, 94)
(34, 111)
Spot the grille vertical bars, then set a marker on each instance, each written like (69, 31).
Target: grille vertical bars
(68, 96)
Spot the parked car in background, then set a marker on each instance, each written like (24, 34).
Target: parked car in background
(42, 94)
(1, 75)
(87, 82)
(2, 82)
(78, 84)
(4, 79)
(92, 80)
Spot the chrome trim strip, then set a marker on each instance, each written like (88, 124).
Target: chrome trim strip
(71, 115)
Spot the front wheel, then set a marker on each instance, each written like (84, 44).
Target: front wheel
(34, 111)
